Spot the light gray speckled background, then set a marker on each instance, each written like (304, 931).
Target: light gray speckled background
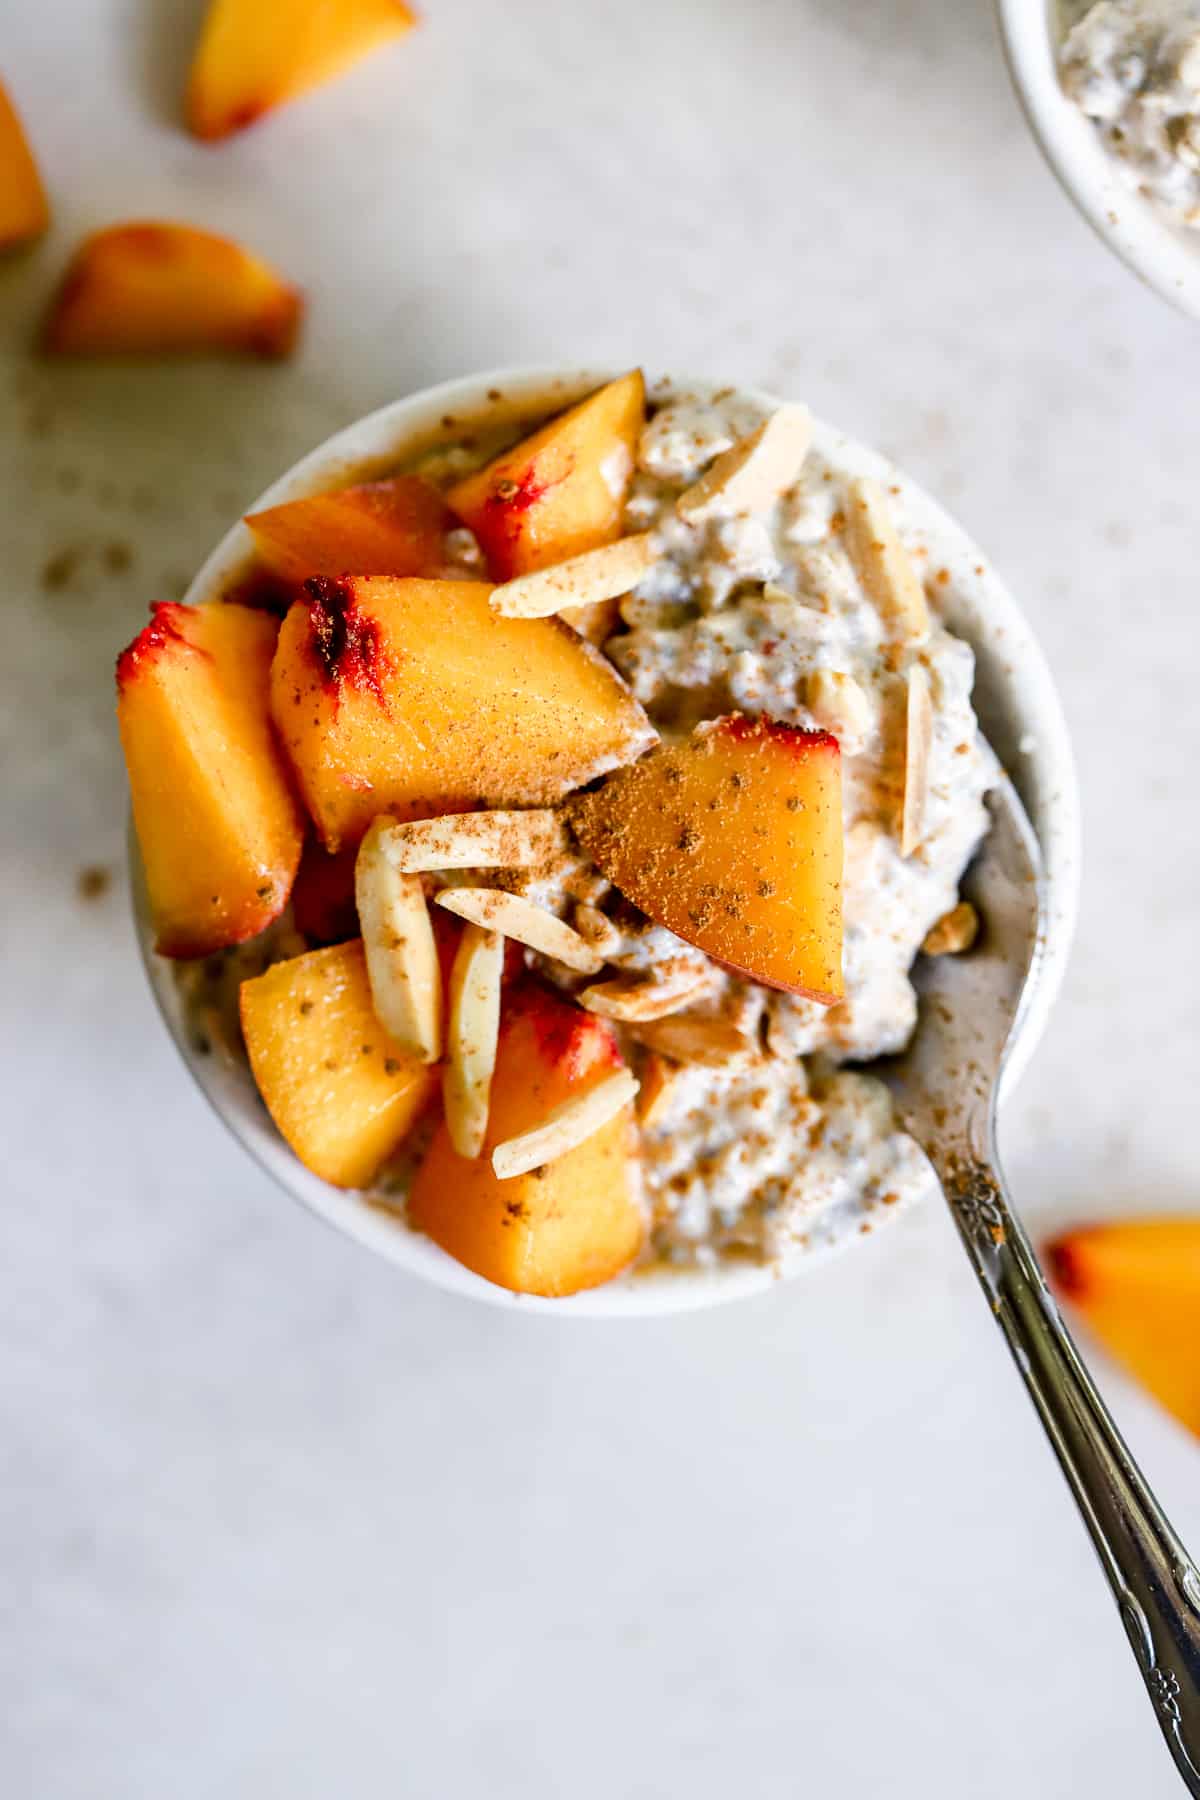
(273, 1521)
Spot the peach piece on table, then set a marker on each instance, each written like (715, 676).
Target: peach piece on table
(153, 288)
(253, 55)
(24, 211)
(1136, 1285)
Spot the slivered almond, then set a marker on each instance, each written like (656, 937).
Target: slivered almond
(471, 1032)
(635, 1002)
(481, 840)
(565, 1127)
(529, 924)
(596, 622)
(402, 961)
(755, 471)
(597, 929)
(600, 574)
(838, 704)
(659, 1079)
(709, 1041)
(954, 932)
(884, 565)
(918, 739)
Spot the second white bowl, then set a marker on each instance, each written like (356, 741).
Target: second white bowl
(1165, 256)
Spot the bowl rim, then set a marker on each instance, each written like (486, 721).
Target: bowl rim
(1044, 771)
(1159, 253)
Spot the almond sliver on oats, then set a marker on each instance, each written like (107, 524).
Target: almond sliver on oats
(918, 740)
(481, 840)
(529, 924)
(753, 474)
(634, 1002)
(402, 961)
(600, 574)
(659, 1078)
(838, 704)
(565, 1127)
(712, 1042)
(471, 1033)
(884, 566)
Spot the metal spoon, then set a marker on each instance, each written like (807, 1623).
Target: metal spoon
(945, 1091)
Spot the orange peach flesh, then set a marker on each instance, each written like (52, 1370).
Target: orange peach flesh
(575, 1222)
(24, 212)
(392, 527)
(1136, 1285)
(219, 829)
(255, 54)
(561, 491)
(733, 841)
(161, 288)
(341, 1093)
(413, 698)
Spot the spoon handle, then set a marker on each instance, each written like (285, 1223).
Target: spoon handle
(1154, 1581)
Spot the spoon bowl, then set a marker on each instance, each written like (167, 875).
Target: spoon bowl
(969, 1005)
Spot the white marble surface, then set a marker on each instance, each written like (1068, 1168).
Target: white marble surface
(275, 1522)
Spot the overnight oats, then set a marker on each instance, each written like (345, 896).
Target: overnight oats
(1133, 69)
(552, 825)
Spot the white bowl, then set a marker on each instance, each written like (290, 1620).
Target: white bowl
(1017, 705)
(1165, 256)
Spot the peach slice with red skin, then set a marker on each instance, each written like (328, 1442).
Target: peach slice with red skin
(571, 1224)
(159, 289)
(1136, 1285)
(254, 55)
(218, 824)
(24, 212)
(412, 698)
(733, 840)
(392, 527)
(561, 491)
(341, 1093)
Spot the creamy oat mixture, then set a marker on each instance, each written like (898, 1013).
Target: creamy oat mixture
(774, 1148)
(759, 1143)
(1133, 67)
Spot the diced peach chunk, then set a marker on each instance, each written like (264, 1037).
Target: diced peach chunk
(393, 527)
(218, 824)
(341, 1093)
(255, 54)
(156, 289)
(413, 698)
(733, 840)
(1136, 1284)
(574, 1222)
(561, 491)
(24, 213)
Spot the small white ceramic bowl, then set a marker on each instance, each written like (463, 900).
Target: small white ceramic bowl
(1165, 256)
(1014, 696)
